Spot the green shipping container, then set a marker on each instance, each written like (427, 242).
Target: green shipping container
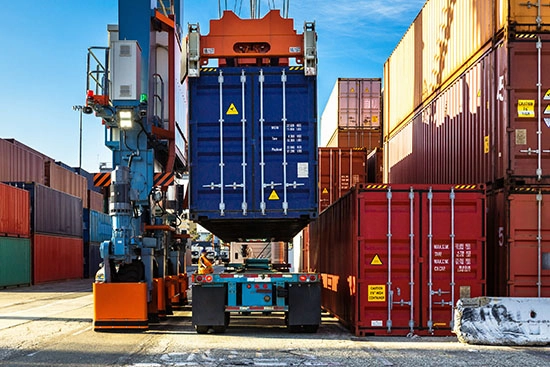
(15, 261)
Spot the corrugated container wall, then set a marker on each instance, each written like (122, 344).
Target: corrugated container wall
(255, 176)
(15, 261)
(96, 201)
(460, 97)
(353, 104)
(15, 212)
(375, 166)
(53, 211)
(339, 171)
(67, 181)
(356, 138)
(519, 254)
(56, 258)
(20, 164)
(390, 255)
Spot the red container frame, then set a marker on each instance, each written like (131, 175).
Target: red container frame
(398, 281)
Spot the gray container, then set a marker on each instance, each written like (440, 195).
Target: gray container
(53, 212)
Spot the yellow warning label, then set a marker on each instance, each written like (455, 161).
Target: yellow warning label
(526, 108)
(375, 119)
(273, 196)
(352, 90)
(376, 260)
(547, 95)
(377, 293)
(547, 110)
(232, 110)
(367, 90)
(486, 147)
(325, 191)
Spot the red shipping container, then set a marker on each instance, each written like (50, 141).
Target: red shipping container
(519, 242)
(56, 258)
(482, 127)
(375, 166)
(66, 181)
(95, 201)
(15, 212)
(368, 139)
(20, 163)
(339, 170)
(395, 258)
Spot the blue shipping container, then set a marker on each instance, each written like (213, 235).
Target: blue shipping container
(253, 151)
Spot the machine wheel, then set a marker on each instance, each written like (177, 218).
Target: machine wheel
(201, 329)
(130, 273)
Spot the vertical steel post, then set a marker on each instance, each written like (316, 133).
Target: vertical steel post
(389, 235)
(430, 261)
(411, 258)
(222, 204)
(262, 163)
(452, 235)
(285, 163)
(539, 243)
(244, 205)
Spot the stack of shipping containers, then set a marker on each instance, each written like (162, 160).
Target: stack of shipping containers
(59, 212)
(467, 100)
(350, 131)
(15, 243)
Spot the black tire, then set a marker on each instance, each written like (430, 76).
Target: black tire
(227, 318)
(201, 329)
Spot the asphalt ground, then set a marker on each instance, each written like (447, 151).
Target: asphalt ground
(51, 325)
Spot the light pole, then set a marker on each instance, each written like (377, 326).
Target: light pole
(79, 108)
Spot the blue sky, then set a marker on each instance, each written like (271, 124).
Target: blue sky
(44, 45)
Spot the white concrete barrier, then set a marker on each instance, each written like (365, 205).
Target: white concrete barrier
(503, 321)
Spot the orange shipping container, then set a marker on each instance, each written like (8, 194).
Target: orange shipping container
(56, 258)
(14, 211)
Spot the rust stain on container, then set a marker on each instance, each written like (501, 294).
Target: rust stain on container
(15, 212)
(389, 253)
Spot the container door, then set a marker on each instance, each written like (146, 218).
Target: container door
(528, 245)
(220, 135)
(388, 259)
(453, 250)
(285, 141)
